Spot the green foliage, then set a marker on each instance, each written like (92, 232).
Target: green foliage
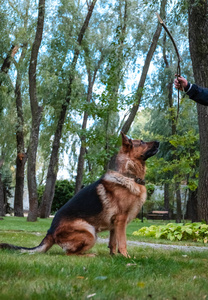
(178, 157)
(64, 191)
(151, 205)
(150, 189)
(176, 232)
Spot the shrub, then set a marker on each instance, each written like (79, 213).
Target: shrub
(64, 190)
(176, 232)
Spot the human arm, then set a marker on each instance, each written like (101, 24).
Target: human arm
(198, 94)
(195, 92)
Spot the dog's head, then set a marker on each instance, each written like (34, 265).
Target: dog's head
(133, 154)
(138, 149)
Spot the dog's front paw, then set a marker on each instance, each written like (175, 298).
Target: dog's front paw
(124, 253)
(112, 251)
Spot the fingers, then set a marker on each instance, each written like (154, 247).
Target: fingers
(180, 82)
(177, 84)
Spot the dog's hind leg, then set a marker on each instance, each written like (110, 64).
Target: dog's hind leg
(75, 237)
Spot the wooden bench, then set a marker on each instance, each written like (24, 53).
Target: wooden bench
(158, 215)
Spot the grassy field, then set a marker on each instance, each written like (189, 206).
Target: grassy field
(148, 274)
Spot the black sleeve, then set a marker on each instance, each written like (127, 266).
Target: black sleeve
(198, 94)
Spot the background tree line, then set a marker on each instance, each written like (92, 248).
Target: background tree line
(76, 73)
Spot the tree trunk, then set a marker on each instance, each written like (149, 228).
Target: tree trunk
(178, 202)
(167, 197)
(138, 96)
(191, 208)
(80, 167)
(2, 206)
(45, 207)
(19, 188)
(21, 156)
(36, 117)
(198, 41)
(7, 62)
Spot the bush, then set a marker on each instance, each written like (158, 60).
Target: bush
(150, 190)
(64, 190)
(176, 232)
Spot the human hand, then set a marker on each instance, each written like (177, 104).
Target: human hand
(180, 83)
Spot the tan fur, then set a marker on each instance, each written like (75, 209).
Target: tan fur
(120, 180)
(121, 197)
(75, 237)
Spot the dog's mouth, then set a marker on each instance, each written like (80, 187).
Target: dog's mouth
(152, 151)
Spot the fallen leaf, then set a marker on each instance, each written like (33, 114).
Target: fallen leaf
(141, 284)
(101, 278)
(80, 277)
(90, 296)
(129, 265)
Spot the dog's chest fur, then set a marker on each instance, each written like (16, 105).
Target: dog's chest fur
(118, 195)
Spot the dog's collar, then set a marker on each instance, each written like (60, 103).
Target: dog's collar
(136, 179)
(139, 181)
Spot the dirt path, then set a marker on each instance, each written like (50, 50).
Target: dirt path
(160, 246)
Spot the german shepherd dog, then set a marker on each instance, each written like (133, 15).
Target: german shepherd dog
(107, 204)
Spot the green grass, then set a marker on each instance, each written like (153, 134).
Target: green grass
(148, 274)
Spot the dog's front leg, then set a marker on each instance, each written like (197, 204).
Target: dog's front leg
(120, 233)
(112, 242)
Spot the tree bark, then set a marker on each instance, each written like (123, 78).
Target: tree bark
(2, 206)
(45, 207)
(145, 69)
(7, 62)
(191, 208)
(198, 42)
(36, 117)
(19, 188)
(166, 196)
(80, 166)
(21, 155)
(178, 202)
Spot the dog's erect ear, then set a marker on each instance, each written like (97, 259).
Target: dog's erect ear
(126, 142)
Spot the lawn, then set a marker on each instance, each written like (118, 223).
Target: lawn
(148, 274)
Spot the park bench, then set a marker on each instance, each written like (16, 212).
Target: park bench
(158, 215)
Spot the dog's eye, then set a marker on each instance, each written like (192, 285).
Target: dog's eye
(142, 142)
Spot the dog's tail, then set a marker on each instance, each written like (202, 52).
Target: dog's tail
(44, 246)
